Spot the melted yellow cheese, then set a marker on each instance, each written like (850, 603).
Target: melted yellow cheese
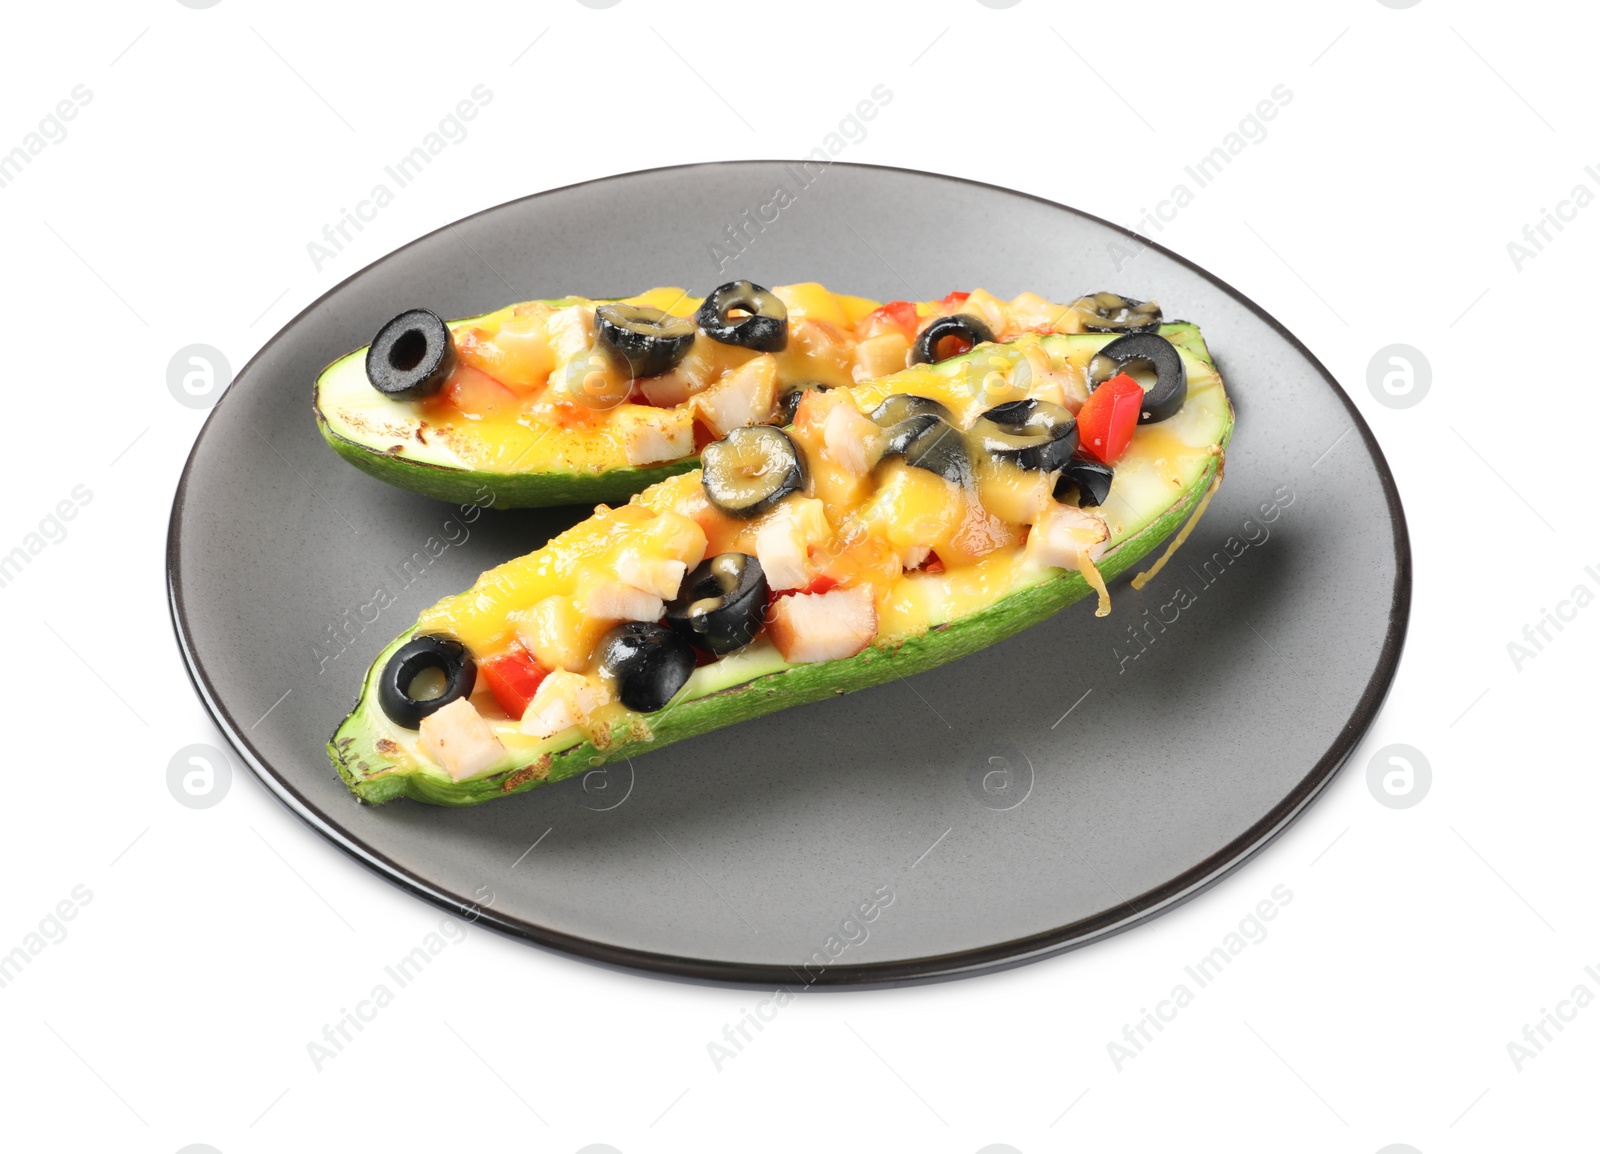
(879, 522)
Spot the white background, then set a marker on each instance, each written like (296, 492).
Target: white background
(218, 942)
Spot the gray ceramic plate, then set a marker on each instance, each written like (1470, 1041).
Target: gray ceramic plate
(1054, 789)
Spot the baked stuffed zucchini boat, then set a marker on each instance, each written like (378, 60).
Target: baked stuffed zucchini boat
(577, 400)
(890, 527)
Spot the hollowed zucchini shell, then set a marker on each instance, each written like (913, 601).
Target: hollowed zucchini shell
(380, 439)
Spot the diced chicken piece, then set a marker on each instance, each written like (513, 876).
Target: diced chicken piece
(822, 342)
(808, 627)
(459, 739)
(990, 311)
(1063, 535)
(881, 355)
(783, 542)
(654, 437)
(1020, 496)
(851, 439)
(665, 391)
(1032, 311)
(1066, 386)
(674, 537)
(613, 601)
(743, 397)
(562, 700)
(557, 634)
(570, 331)
(688, 377)
(651, 574)
(810, 301)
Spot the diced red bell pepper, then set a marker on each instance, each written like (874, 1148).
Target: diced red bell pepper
(821, 583)
(1108, 418)
(901, 314)
(955, 300)
(513, 678)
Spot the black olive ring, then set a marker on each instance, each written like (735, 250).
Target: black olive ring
(648, 662)
(721, 604)
(1091, 479)
(751, 470)
(765, 328)
(649, 340)
(430, 651)
(964, 325)
(1032, 434)
(412, 356)
(1112, 313)
(1172, 383)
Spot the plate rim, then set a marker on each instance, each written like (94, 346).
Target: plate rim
(995, 957)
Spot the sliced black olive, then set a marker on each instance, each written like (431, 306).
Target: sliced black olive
(647, 662)
(1149, 351)
(1033, 434)
(425, 674)
(649, 340)
(751, 469)
(1091, 479)
(896, 407)
(1118, 314)
(907, 417)
(936, 446)
(789, 400)
(721, 604)
(412, 356)
(964, 325)
(765, 327)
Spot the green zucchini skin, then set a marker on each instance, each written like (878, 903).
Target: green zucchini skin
(530, 490)
(354, 742)
(511, 490)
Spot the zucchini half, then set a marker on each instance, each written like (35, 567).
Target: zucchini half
(1164, 478)
(537, 452)
(388, 440)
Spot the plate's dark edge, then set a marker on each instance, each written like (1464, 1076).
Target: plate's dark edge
(986, 959)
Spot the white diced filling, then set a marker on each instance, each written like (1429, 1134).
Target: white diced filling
(851, 439)
(651, 574)
(562, 700)
(809, 627)
(783, 543)
(459, 739)
(743, 397)
(663, 437)
(615, 601)
(1063, 535)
